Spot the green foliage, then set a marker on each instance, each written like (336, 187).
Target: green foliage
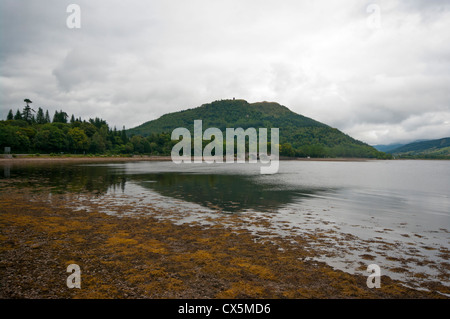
(43, 136)
(300, 136)
(78, 140)
(439, 149)
(60, 117)
(140, 144)
(40, 117)
(97, 122)
(10, 116)
(98, 143)
(14, 137)
(46, 118)
(49, 139)
(18, 115)
(27, 114)
(27, 111)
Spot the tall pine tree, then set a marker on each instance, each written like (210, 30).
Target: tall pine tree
(10, 115)
(18, 115)
(60, 117)
(26, 113)
(40, 118)
(47, 117)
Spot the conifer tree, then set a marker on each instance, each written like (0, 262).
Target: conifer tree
(26, 113)
(40, 119)
(10, 115)
(18, 115)
(47, 117)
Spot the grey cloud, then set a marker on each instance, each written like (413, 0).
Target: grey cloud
(134, 61)
(82, 67)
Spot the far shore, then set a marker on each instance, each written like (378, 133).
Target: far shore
(43, 159)
(24, 159)
(77, 158)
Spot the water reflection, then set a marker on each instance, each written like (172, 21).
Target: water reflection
(63, 177)
(359, 189)
(7, 171)
(230, 192)
(391, 209)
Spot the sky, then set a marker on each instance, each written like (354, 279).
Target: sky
(377, 70)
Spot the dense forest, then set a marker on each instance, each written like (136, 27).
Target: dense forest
(29, 131)
(300, 136)
(431, 149)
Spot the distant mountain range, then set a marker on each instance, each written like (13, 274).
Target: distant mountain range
(387, 147)
(439, 148)
(390, 147)
(300, 136)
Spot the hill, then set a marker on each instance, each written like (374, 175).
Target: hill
(439, 148)
(386, 147)
(299, 135)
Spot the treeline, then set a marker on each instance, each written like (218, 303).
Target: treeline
(321, 151)
(40, 134)
(421, 156)
(28, 131)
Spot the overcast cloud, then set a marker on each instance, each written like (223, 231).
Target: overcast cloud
(380, 80)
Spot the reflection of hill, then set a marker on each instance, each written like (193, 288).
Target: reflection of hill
(223, 192)
(230, 193)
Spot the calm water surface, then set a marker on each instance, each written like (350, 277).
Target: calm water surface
(395, 213)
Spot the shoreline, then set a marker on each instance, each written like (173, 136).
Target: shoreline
(129, 257)
(136, 158)
(143, 158)
(73, 159)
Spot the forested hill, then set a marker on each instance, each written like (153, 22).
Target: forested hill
(299, 135)
(228, 113)
(439, 148)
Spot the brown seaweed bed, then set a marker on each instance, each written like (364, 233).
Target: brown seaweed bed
(145, 257)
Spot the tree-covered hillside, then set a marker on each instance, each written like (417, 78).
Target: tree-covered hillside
(439, 148)
(299, 135)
